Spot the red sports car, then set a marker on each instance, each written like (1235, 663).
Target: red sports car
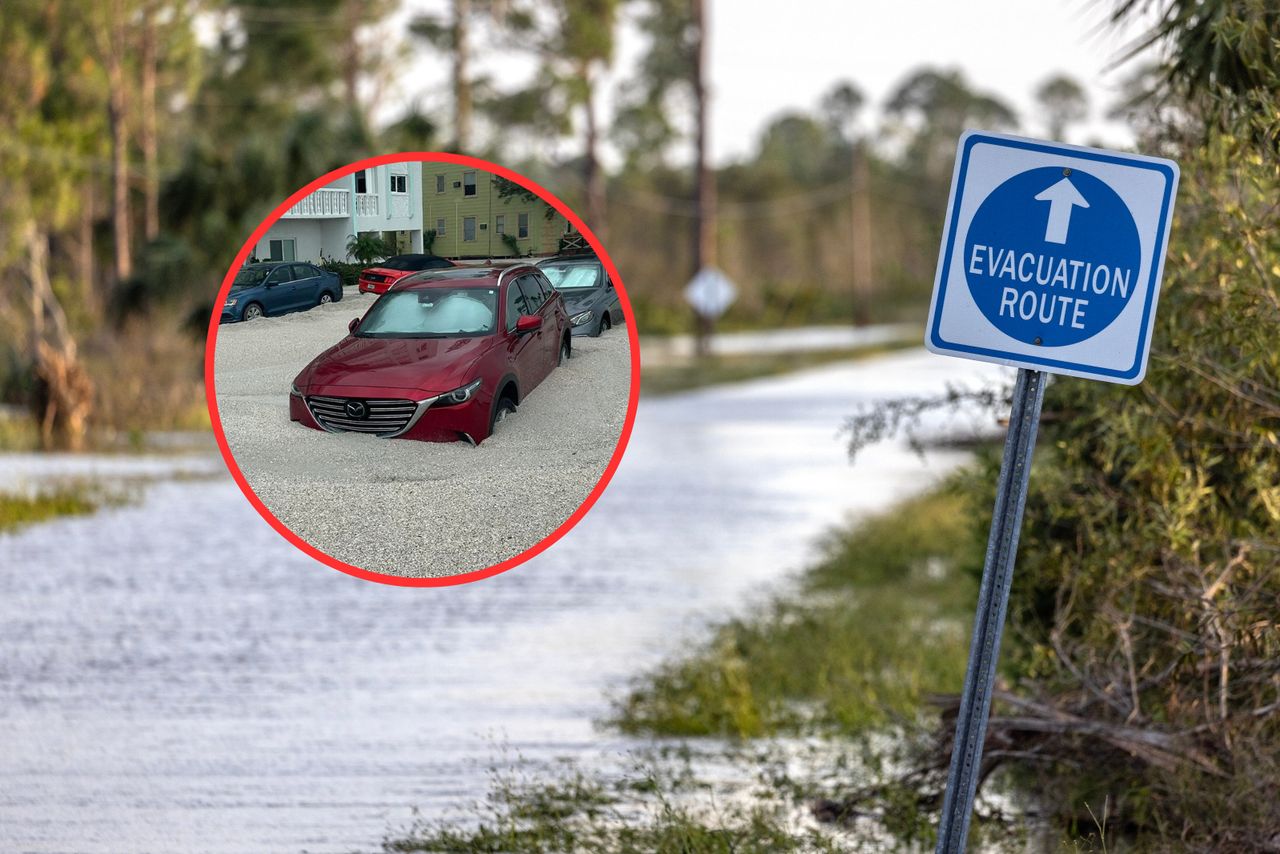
(445, 356)
(379, 278)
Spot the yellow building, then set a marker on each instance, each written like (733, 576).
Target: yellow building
(472, 219)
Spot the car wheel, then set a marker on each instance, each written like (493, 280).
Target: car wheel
(566, 349)
(504, 407)
(605, 323)
(252, 311)
(326, 298)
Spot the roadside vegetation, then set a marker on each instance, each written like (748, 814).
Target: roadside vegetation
(689, 374)
(18, 510)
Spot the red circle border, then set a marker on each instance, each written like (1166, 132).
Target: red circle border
(385, 578)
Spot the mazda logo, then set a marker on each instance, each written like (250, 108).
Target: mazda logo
(357, 408)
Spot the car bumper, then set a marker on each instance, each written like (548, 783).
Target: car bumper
(367, 287)
(229, 315)
(432, 423)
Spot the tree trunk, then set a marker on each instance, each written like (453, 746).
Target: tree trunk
(117, 107)
(85, 264)
(352, 59)
(594, 176)
(461, 78)
(63, 396)
(862, 267)
(705, 208)
(150, 158)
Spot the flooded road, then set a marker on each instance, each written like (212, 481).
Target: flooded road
(174, 676)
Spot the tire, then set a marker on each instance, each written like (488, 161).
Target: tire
(566, 349)
(252, 311)
(325, 298)
(605, 323)
(504, 407)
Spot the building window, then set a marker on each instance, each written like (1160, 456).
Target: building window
(523, 226)
(468, 183)
(440, 228)
(400, 184)
(439, 183)
(362, 181)
(500, 224)
(281, 250)
(468, 229)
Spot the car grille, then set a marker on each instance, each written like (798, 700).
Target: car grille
(384, 417)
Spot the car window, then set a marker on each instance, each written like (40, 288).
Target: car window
(304, 271)
(282, 274)
(547, 287)
(431, 313)
(534, 297)
(574, 275)
(515, 306)
(250, 276)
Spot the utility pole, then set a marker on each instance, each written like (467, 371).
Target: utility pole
(704, 255)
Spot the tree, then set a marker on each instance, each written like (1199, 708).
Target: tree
(1063, 102)
(574, 43)
(453, 35)
(366, 248)
(643, 127)
(925, 116)
(840, 107)
(53, 133)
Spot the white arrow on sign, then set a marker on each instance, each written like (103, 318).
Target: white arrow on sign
(710, 292)
(1062, 197)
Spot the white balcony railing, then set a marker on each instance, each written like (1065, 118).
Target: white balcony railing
(401, 208)
(366, 204)
(322, 204)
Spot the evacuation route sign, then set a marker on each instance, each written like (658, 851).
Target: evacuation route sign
(1052, 256)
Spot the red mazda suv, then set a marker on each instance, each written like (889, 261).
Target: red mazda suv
(445, 355)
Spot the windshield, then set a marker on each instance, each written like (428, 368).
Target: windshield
(404, 262)
(250, 276)
(570, 276)
(432, 313)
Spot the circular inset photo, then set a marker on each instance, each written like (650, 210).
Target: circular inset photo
(423, 370)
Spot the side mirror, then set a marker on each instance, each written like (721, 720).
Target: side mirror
(353, 325)
(528, 323)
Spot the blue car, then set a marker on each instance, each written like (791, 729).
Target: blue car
(278, 288)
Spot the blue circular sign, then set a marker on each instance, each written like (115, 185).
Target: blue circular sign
(1052, 256)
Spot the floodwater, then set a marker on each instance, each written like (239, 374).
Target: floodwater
(175, 677)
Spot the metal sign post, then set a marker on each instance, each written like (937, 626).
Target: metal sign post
(993, 602)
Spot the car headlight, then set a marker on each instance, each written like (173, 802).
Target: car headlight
(579, 319)
(459, 395)
(231, 301)
(293, 389)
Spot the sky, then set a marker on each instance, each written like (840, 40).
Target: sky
(768, 57)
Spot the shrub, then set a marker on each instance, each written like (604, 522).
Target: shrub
(349, 273)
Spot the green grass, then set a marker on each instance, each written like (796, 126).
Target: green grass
(648, 812)
(18, 434)
(72, 500)
(882, 622)
(668, 379)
